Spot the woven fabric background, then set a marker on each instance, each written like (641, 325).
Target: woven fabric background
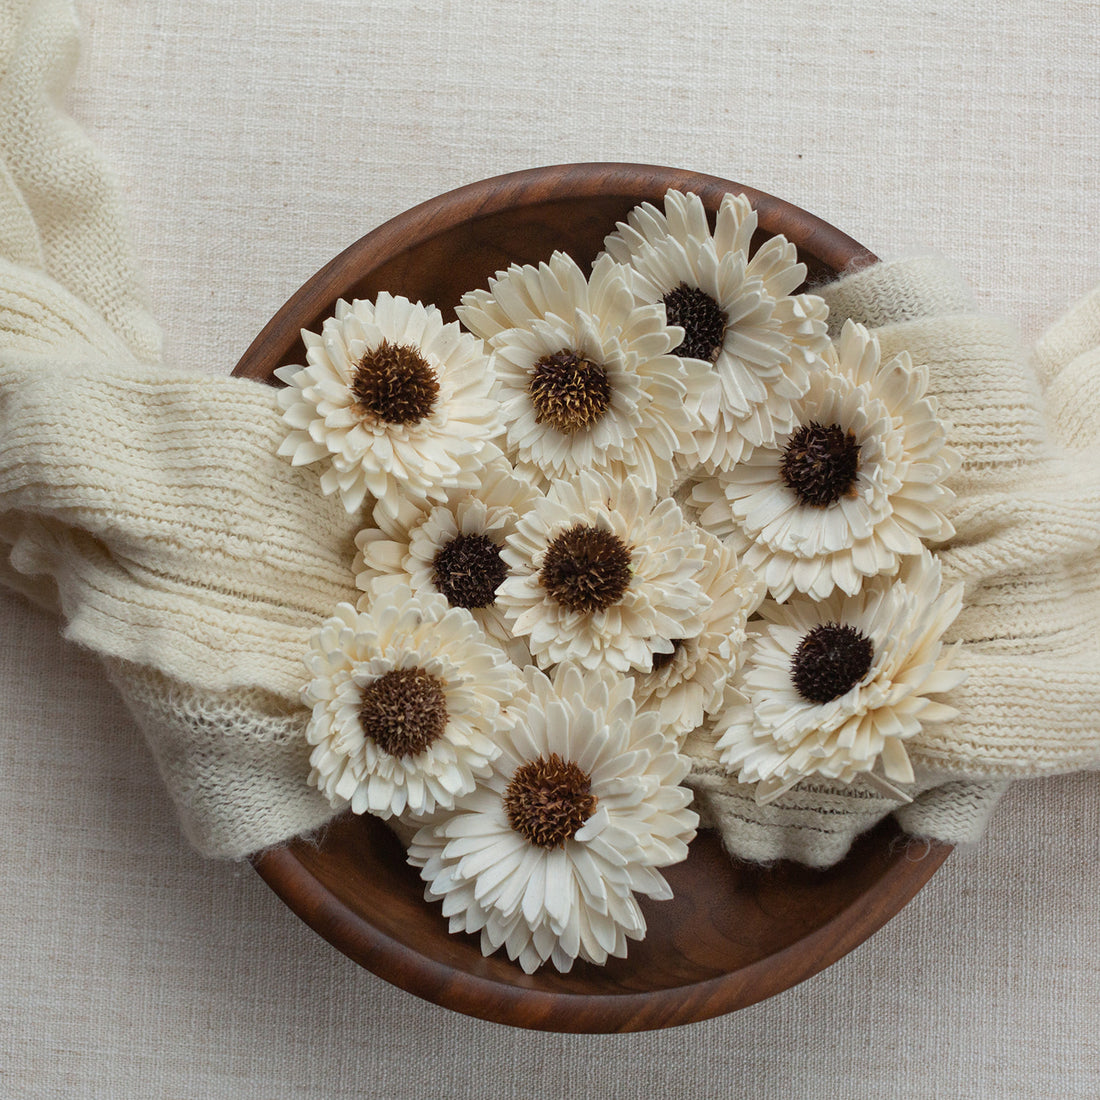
(254, 139)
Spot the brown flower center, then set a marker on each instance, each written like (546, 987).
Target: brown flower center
(468, 571)
(394, 383)
(829, 661)
(586, 568)
(702, 319)
(663, 660)
(568, 391)
(820, 463)
(548, 800)
(404, 711)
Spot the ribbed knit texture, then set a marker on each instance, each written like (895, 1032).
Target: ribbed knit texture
(60, 213)
(174, 534)
(1027, 548)
(149, 508)
(235, 762)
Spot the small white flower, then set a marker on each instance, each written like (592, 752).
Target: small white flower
(689, 683)
(603, 574)
(399, 403)
(833, 688)
(587, 381)
(583, 805)
(738, 314)
(453, 548)
(405, 700)
(852, 489)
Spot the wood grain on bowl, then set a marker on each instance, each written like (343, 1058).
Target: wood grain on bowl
(734, 933)
(438, 250)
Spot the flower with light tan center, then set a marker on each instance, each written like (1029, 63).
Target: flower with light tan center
(568, 391)
(588, 380)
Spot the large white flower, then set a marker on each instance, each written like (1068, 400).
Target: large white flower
(398, 402)
(689, 683)
(453, 548)
(583, 805)
(586, 378)
(855, 486)
(833, 688)
(603, 574)
(405, 700)
(739, 314)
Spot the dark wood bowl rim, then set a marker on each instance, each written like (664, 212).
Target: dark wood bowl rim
(912, 863)
(395, 961)
(278, 341)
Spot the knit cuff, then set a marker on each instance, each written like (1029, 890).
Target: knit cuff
(236, 763)
(906, 289)
(954, 813)
(175, 535)
(815, 823)
(1075, 333)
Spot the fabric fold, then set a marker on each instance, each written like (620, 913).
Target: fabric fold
(150, 509)
(175, 535)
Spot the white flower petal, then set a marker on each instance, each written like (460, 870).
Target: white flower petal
(781, 737)
(573, 900)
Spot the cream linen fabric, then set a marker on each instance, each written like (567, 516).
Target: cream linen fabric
(130, 968)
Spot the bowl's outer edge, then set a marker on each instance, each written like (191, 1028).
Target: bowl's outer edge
(283, 870)
(398, 964)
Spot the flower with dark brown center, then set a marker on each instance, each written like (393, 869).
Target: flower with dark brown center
(663, 660)
(586, 568)
(820, 463)
(569, 392)
(829, 661)
(395, 384)
(702, 319)
(468, 571)
(548, 800)
(404, 711)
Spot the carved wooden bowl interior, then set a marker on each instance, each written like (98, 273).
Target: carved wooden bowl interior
(734, 933)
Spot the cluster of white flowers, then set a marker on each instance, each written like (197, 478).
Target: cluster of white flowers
(601, 513)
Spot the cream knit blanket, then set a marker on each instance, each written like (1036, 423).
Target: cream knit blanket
(149, 509)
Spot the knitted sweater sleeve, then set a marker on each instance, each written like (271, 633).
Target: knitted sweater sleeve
(1026, 548)
(125, 488)
(150, 509)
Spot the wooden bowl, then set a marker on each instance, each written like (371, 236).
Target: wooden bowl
(734, 933)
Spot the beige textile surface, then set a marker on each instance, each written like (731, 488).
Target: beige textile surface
(255, 140)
